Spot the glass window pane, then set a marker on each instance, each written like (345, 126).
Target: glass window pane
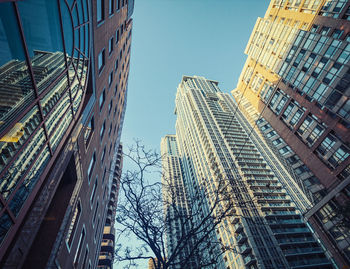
(16, 89)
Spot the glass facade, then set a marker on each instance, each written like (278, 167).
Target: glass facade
(43, 72)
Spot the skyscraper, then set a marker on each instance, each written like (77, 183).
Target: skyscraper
(215, 142)
(297, 77)
(63, 83)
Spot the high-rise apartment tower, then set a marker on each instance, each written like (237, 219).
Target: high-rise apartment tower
(215, 142)
(297, 78)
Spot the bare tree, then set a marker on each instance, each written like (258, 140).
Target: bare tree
(157, 212)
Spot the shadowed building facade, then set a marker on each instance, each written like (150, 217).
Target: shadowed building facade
(297, 78)
(216, 142)
(63, 81)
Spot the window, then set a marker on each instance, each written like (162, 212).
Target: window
(333, 99)
(116, 65)
(345, 110)
(339, 156)
(271, 133)
(110, 106)
(284, 150)
(102, 131)
(93, 192)
(85, 257)
(73, 225)
(103, 154)
(111, 6)
(110, 78)
(101, 60)
(110, 130)
(118, 4)
(110, 45)
(117, 36)
(89, 130)
(326, 145)
(102, 99)
(80, 244)
(91, 165)
(315, 134)
(95, 214)
(296, 117)
(277, 141)
(100, 10)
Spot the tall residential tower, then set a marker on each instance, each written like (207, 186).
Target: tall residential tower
(215, 142)
(297, 78)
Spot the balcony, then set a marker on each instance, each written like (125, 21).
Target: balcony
(249, 260)
(105, 259)
(241, 238)
(107, 246)
(303, 251)
(108, 233)
(244, 249)
(238, 227)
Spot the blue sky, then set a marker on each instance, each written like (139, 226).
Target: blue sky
(172, 38)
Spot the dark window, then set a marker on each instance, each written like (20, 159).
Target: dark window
(103, 154)
(102, 99)
(110, 106)
(92, 197)
(89, 130)
(91, 165)
(103, 127)
(117, 36)
(101, 60)
(111, 6)
(95, 214)
(80, 244)
(110, 78)
(118, 4)
(100, 10)
(111, 45)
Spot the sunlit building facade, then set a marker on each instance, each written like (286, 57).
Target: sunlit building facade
(216, 142)
(296, 77)
(63, 80)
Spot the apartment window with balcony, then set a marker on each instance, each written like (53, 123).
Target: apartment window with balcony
(100, 10)
(111, 6)
(91, 166)
(73, 225)
(102, 131)
(110, 45)
(101, 60)
(102, 99)
(79, 248)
